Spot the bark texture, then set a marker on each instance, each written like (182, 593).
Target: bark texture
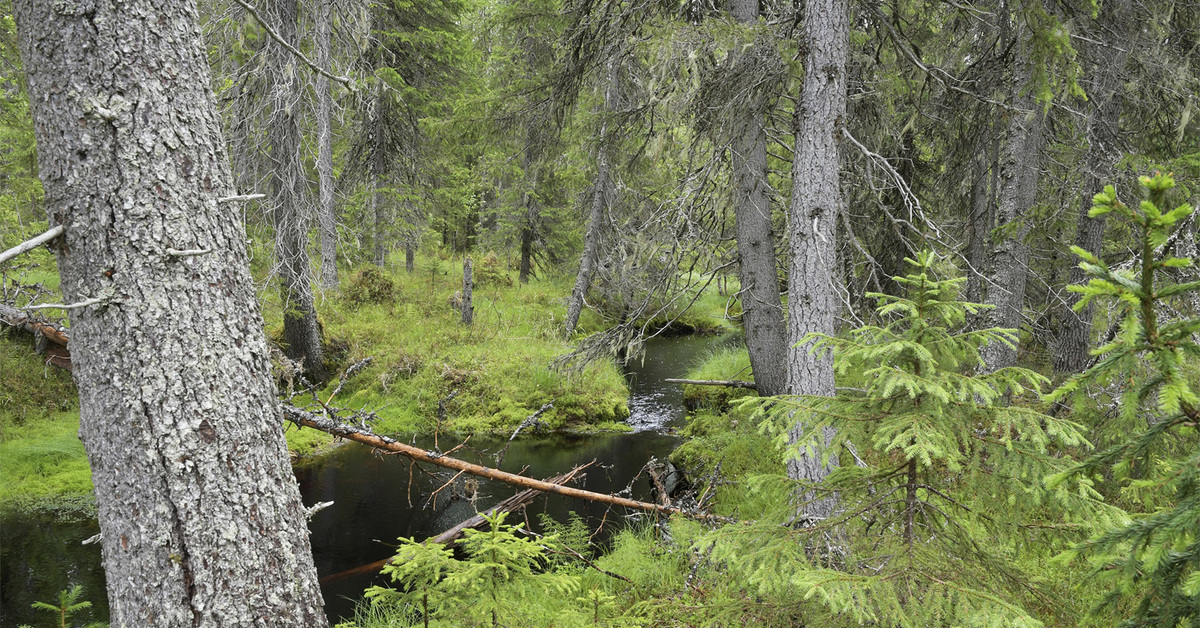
(200, 512)
(288, 200)
(326, 215)
(1020, 158)
(1106, 53)
(602, 196)
(762, 309)
(816, 201)
(468, 310)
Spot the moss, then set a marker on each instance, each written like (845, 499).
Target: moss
(729, 363)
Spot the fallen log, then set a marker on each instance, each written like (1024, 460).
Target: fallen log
(731, 383)
(20, 319)
(366, 437)
(450, 536)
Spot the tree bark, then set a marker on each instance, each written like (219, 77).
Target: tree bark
(979, 223)
(379, 163)
(762, 309)
(301, 331)
(1020, 158)
(602, 197)
(200, 512)
(816, 201)
(1116, 32)
(325, 209)
(468, 310)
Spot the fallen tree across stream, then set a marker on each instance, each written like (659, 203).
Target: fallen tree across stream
(305, 418)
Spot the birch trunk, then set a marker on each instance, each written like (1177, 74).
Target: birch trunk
(816, 201)
(200, 512)
(762, 309)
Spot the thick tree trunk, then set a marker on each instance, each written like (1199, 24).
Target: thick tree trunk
(200, 512)
(762, 309)
(301, 331)
(325, 210)
(979, 222)
(816, 201)
(1020, 158)
(1115, 31)
(602, 197)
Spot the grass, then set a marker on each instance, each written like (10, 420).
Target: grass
(726, 363)
(430, 372)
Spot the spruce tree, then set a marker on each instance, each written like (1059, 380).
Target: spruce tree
(1153, 559)
(937, 517)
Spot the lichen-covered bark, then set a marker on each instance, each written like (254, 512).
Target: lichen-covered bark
(200, 512)
(602, 194)
(816, 200)
(325, 209)
(1019, 170)
(1114, 33)
(762, 309)
(289, 188)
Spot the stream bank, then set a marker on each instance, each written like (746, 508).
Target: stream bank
(377, 500)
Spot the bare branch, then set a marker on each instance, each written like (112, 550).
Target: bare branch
(32, 243)
(316, 68)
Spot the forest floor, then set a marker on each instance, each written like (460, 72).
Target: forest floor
(427, 372)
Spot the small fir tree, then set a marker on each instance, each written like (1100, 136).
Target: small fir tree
(931, 527)
(1152, 560)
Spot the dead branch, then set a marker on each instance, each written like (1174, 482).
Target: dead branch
(32, 243)
(366, 437)
(714, 382)
(531, 420)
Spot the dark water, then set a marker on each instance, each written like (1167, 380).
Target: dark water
(377, 499)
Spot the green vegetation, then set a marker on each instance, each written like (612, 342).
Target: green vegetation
(1152, 561)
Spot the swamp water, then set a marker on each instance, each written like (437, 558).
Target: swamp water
(40, 556)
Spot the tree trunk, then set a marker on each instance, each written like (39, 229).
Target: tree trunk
(468, 310)
(527, 243)
(979, 223)
(301, 332)
(816, 200)
(762, 309)
(325, 209)
(1019, 169)
(410, 254)
(1116, 30)
(378, 175)
(200, 512)
(602, 196)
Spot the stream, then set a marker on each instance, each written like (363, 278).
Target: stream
(377, 499)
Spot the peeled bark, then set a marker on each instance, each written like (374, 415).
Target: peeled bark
(1105, 100)
(301, 331)
(602, 195)
(762, 309)
(201, 516)
(816, 201)
(325, 209)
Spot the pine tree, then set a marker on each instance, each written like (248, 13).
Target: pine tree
(1154, 558)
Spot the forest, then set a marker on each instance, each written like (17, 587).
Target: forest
(600, 312)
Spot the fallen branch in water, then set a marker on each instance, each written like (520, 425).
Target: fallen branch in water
(308, 419)
(731, 383)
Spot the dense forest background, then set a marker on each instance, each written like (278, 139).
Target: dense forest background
(892, 199)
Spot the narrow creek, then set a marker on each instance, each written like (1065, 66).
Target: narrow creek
(378, 499)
